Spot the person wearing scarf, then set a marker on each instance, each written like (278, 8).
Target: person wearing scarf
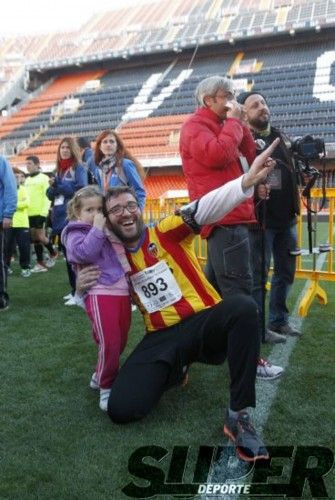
(70, 176)
(116, 166)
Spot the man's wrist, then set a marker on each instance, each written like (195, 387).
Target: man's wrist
(246, 182)
(247, 186)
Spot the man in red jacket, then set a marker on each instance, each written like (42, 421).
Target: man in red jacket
(216, 146)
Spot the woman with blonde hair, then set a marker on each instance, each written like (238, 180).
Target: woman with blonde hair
(70, 176)
(116, 166)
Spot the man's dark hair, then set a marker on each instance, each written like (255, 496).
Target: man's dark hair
(114, 192)
(243, 96)
(34, 159)
(83, 142)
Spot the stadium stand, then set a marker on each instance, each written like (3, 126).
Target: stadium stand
(136, 70)
(53, 94)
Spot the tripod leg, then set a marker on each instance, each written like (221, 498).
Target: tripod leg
(263, 280)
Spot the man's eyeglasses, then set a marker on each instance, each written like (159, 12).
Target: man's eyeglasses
(131, 206)
(225, 95)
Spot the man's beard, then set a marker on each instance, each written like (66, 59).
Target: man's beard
(128, 239)
(260, 123)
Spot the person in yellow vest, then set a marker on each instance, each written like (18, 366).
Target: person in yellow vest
(19, 233)
(37, 184)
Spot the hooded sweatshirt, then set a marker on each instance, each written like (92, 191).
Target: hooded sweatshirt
(86, 244)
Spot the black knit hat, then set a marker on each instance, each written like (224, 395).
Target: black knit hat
(243, 96)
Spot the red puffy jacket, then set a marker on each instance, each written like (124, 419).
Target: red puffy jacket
(210, 153)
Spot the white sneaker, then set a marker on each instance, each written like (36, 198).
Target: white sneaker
(50, 262)
(68, 296)
(104, 397)
(71, 302)
(25, 273)
(267, 371)
(93, 382)
(39, 268)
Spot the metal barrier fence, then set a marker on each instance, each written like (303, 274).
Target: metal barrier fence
(309, 265)
(317, 271)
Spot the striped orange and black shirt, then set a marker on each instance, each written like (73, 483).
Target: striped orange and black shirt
(171, 240)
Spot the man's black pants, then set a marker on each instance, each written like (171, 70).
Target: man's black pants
(228, 330)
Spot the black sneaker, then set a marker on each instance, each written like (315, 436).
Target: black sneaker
(272, 337)
(286, 329)
(249, 446)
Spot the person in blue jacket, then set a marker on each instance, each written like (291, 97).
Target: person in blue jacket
(8, 202)
(116, 166)
(87, 158)
(70, 176)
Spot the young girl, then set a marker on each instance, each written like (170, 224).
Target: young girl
(116, 166)
(107, 304)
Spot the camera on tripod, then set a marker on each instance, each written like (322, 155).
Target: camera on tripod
(304, 150)
(308, 147)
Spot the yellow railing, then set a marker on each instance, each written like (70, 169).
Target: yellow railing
(327, 272)
(158, 209)
(307, 265)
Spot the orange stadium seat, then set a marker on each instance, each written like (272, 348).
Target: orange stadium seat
(157, 185)
(153, 136)
(56, 92)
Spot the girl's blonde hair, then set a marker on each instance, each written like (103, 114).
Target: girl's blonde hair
(75, 203)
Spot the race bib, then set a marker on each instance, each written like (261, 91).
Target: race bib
(59, 200)
(156, 287)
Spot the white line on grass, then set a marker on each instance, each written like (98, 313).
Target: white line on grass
(229, 467)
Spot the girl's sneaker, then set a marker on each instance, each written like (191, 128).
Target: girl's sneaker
(39, 268)
(94, 382)
(104, 397)
(50, 262)
(25, 273)
(71, 302)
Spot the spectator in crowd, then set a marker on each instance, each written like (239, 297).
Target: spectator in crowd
(107, 304)
(19, 233)
(36, 185)
(216, 146)
(116, 166)
(185, 318)
(8, 201)
(70, 176)
(277, 216)
(87, 158)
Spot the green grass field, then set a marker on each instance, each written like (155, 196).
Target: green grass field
(57, 444)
